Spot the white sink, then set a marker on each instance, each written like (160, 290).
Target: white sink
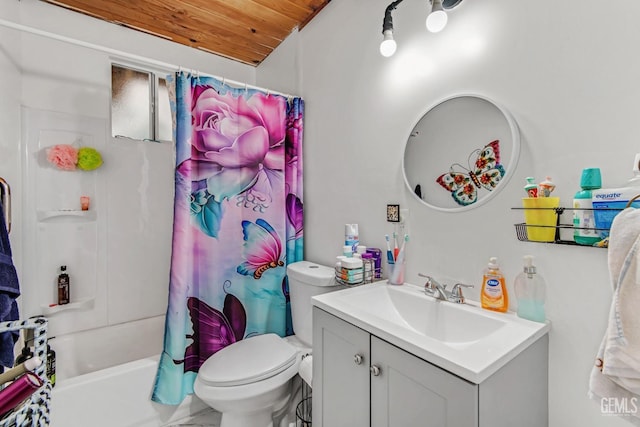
(462, 338)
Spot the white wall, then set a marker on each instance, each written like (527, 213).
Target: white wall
(134, 195)
(569, 75)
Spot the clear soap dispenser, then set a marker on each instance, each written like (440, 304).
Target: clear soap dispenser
(530, 292)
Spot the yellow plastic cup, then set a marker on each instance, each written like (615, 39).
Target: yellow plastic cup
(539, 211)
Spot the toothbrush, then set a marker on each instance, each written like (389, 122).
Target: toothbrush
(396, 250)
(390, 259)
(404, 242)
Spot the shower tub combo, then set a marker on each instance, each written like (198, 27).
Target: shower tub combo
(105, 377)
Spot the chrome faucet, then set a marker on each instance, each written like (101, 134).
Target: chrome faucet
(434, 289)
(439, 292)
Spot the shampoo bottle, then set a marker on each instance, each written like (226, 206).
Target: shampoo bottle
(51, 365)
(63, 286)
(494, 290)
(530, 292)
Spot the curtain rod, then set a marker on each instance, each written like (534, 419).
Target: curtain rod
(131, 56)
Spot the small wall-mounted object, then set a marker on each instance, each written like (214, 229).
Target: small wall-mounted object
(393, 213)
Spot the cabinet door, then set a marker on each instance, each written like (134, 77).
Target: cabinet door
(340, 373)
(411, 392)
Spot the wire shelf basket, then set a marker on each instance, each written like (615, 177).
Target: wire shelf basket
(368, 273)
(35, 410)
(522, 232)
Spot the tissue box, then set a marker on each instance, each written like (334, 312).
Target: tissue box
(609, 202)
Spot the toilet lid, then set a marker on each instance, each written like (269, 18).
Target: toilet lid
(248, 361)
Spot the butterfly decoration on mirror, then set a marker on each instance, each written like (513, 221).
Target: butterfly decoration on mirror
(213, 329)
(262, 248)
(485, 172)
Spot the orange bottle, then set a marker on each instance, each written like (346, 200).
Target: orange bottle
(493, 295)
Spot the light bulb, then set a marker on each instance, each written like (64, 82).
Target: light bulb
(388, 45)
(437, 19)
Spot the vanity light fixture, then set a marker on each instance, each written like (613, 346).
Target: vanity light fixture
(436, 21)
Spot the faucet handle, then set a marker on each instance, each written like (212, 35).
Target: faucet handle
(431, 283)
(456, 292)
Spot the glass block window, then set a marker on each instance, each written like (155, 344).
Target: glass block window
(139, 105)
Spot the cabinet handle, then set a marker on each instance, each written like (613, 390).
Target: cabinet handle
(375, 370)
(358, 359)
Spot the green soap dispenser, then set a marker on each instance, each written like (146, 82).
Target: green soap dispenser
(583, 217)
(530, 291)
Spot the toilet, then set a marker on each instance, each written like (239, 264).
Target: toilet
(251, 379)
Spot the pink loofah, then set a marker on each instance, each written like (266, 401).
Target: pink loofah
(63, 156)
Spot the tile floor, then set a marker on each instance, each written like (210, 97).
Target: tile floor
(206, 418)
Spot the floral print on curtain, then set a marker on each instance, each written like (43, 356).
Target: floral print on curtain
(238, 221)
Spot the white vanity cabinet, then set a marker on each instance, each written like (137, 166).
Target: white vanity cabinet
(361, 380)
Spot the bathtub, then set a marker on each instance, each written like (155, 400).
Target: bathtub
(105, 377)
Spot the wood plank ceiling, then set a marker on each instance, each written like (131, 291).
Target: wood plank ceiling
(242, 30)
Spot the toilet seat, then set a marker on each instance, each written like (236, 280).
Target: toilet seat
(248, 361)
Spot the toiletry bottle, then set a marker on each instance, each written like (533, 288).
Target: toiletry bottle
(494, 290)
(583, 217)
(377, 261)
(530, 292)
(63, 286)
(51, 365)
(351, 236)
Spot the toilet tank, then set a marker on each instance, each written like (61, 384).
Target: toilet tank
(307, 279)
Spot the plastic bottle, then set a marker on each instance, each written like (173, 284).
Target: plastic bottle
(351, 236)
(494, 290)
(63, 286)
(530, 292)
(583, 216)
(51, 365)
(635, 181)
(609, 202)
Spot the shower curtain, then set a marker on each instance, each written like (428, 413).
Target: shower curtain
(237, 223)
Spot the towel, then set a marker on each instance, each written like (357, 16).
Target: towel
(9, 291)
(615, 378)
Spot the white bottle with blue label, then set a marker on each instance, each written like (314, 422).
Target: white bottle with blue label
(584, 224)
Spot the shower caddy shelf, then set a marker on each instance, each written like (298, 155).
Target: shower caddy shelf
(521, 228)
(44, 215)
(35, 410)
(84, 303)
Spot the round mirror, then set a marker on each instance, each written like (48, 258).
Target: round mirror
(461, 153)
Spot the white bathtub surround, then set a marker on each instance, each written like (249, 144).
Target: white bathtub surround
(117, 396)
(88, 351)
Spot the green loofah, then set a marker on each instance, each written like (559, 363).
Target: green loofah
(89, 159)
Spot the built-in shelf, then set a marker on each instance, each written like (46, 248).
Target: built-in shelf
(76, 305)
(44, 215)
